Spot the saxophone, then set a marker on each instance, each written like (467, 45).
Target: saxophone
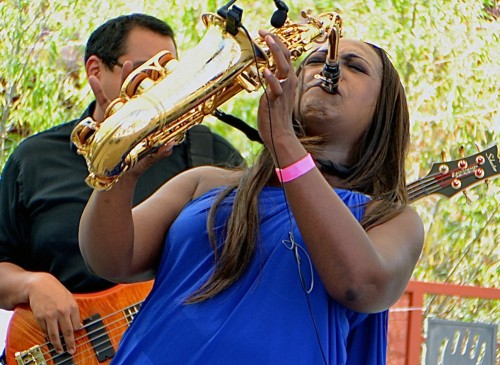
(163, 98)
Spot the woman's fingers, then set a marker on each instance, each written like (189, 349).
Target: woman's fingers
(281, 58)
(280, 54)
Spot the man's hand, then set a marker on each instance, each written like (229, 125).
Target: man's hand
(101, 98)
(55, 310)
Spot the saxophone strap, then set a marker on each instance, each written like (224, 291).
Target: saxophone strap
(199, 140)
(251, 133)
(327, 166)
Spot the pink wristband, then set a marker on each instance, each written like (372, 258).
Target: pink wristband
(296, 169)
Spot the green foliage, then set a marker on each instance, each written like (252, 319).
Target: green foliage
(446, 51)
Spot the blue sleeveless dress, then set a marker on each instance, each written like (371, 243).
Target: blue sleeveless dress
(264, 318)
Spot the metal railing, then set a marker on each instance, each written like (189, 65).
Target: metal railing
(406, 318)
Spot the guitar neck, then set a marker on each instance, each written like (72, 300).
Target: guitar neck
(450, 178)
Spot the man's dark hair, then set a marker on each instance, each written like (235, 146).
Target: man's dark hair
(108, 41)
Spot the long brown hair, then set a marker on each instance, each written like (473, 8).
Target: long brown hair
(379, 172)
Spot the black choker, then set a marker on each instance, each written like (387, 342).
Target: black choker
(336, 169)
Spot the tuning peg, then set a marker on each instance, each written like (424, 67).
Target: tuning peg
(443, 155)
(461, 151)
(479, 148)
(468, 200)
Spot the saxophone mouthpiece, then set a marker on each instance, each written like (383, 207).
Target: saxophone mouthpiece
(331, 70)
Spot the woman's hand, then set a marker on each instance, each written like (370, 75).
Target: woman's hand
(146, 162)
(276, 104)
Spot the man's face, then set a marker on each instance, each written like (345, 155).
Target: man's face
(141, 45)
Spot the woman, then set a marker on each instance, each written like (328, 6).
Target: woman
(303, 271)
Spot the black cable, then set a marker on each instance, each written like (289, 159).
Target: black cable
(293, 245)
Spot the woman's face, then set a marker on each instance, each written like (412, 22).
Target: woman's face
(343, 116)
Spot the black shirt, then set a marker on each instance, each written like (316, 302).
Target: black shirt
(43, 194)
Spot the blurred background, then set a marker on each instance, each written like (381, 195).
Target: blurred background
(447, 53)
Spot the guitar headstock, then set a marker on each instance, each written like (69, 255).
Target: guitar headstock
(451, 177)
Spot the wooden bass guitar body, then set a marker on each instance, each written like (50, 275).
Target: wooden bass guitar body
(105, 316)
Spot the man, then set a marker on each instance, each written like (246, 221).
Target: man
(43, 189)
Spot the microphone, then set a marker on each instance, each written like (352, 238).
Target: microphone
(225, 8)
(232, 15)
(280, 15)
